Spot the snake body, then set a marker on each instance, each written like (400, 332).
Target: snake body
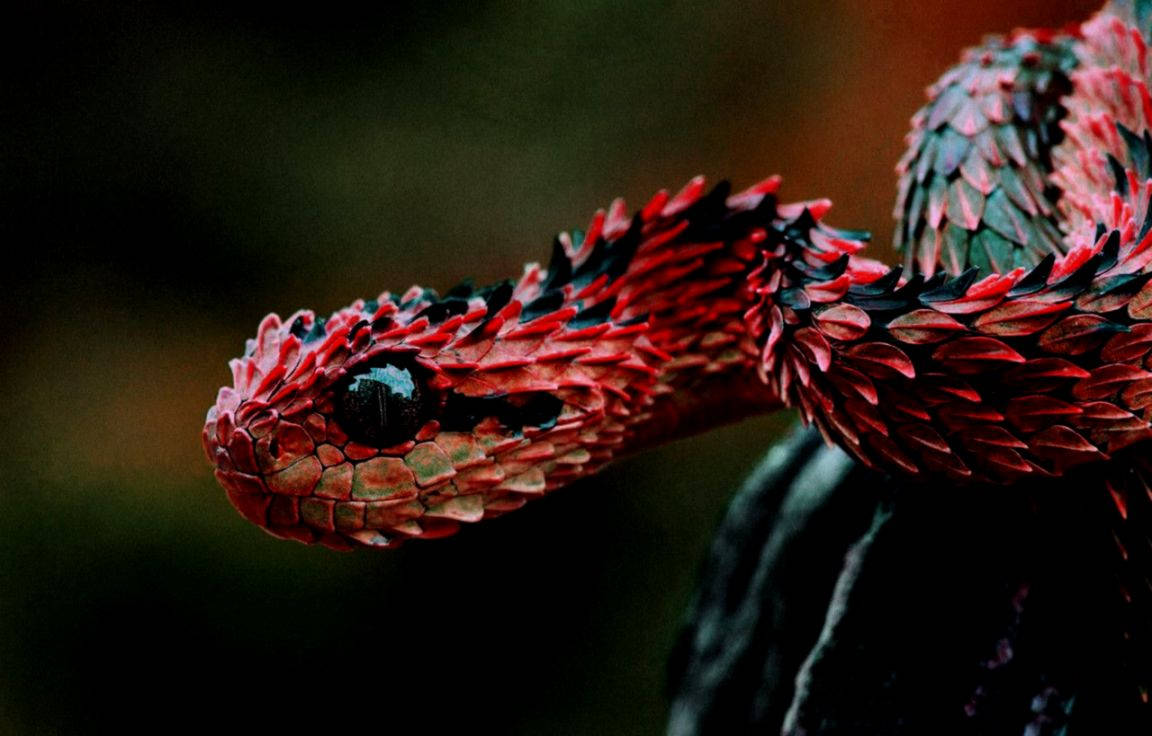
(1014, 346)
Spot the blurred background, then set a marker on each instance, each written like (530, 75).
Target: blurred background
(170, 175)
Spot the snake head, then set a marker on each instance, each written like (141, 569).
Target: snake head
(403, 416)
(391, 419)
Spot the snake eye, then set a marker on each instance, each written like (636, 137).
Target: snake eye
(384, 405)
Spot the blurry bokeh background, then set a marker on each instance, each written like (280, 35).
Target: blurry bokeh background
(169, 175)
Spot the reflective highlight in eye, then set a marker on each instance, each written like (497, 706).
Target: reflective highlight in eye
(383, 405)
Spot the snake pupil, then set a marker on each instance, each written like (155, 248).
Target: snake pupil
(383, 405)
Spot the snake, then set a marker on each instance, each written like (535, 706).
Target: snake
(1012, 345)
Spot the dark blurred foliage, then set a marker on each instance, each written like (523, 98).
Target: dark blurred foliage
(169, 174)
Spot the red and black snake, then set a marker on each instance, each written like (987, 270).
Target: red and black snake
(1014, 346)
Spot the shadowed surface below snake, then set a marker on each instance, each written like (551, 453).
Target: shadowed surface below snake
(1002, 376)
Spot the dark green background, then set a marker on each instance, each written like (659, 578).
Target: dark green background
(170, 175)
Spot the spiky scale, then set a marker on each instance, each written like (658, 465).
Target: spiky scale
(923, 327)
(992, 120)
(1019, 317)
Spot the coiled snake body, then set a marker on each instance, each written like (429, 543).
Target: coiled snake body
(1013, 347)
